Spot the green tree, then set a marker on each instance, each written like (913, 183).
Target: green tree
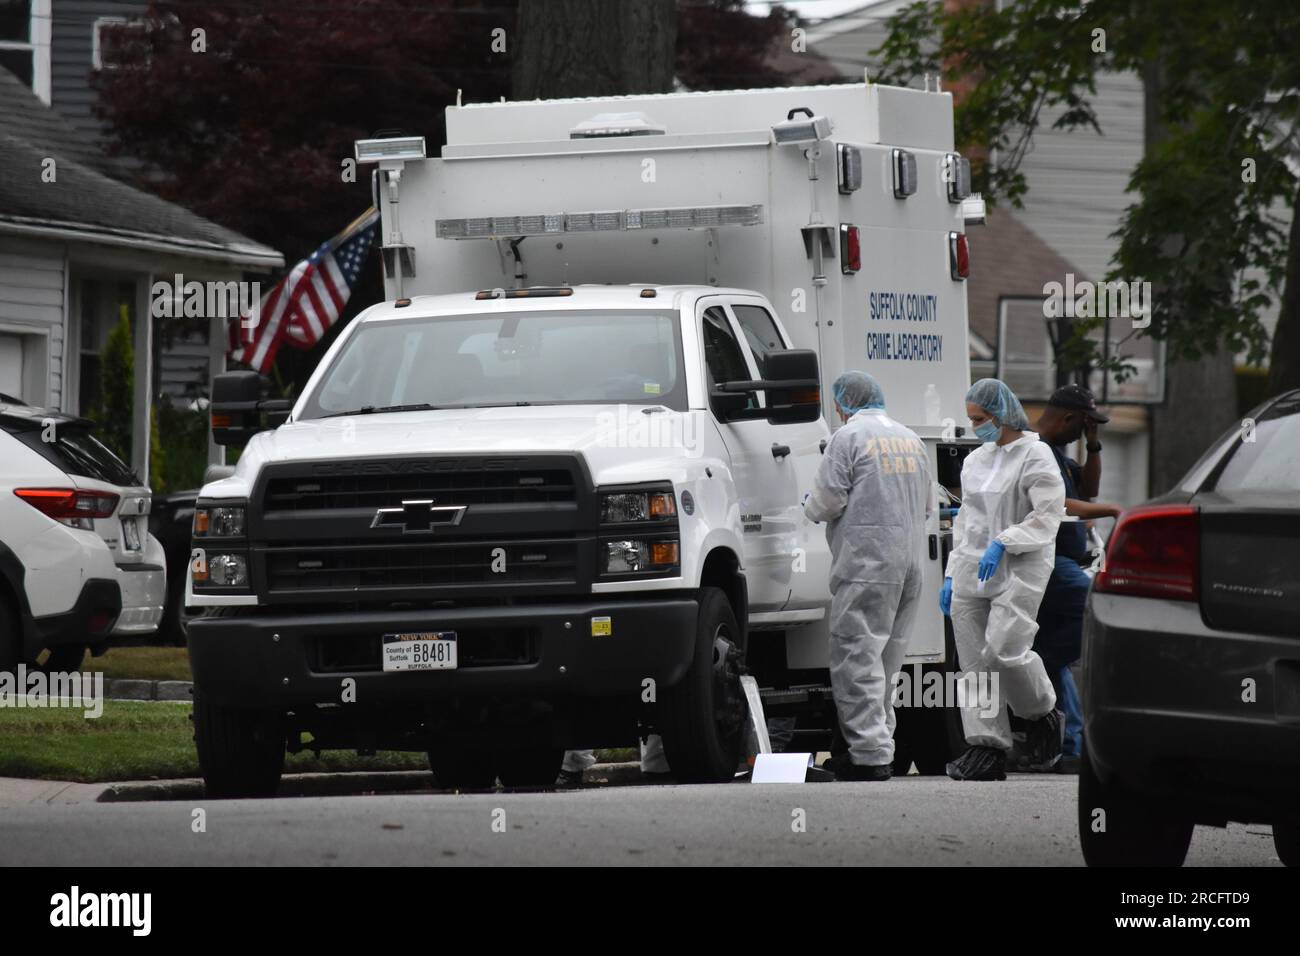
(112, 415)
(1213, 194)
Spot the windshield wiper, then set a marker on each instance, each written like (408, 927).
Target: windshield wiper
(421, 407)
(379, 409)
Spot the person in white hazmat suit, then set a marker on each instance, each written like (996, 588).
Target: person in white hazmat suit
(875, 492)
(1003, 548)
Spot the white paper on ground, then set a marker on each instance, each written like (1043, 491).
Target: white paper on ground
(780, 768)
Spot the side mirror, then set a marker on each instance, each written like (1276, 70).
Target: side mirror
(237, 407)
(795, 393)
(793, 388)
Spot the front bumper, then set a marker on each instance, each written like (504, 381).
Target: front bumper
(144, 594)
(1205, 719)
(282, 661)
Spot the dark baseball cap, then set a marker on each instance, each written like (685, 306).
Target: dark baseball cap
(1076, 398)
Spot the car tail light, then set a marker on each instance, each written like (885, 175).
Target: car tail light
(958, 255)
(1154, 552)
(64, 503)
(850, 249)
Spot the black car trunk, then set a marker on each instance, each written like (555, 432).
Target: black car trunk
(1250, 561)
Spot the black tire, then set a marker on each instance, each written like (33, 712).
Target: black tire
(1286, 839)
(11, 635)
(529, 768)
(455, 768)
(241, 752)
(1137, 831)
(65, 660)
(702, 718)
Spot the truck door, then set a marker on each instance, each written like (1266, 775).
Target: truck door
(802, 542)
(763, 455)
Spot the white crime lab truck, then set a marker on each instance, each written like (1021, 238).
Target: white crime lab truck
(549, 494)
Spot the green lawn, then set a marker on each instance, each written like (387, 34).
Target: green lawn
(141, 663)
(140, 740)
(135, 740)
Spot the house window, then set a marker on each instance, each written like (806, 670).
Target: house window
(108, 34)
(25, 43)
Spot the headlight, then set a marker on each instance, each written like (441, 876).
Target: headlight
(628, 506)
(223, 522)
(220, 570)
(632, 555)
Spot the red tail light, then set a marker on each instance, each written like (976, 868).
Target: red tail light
(958, 255)
(61, 503)
(850, 249)
(1154, 552)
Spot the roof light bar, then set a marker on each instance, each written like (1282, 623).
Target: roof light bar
(612, 220)
(392, 148)
(531, 292)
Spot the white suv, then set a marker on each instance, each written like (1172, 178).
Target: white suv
(77, 562)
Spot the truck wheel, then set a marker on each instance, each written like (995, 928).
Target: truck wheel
(702, 718)
(1286, 839)
(456, 768)
(1137, 831)
(241, 752)
(529, 768)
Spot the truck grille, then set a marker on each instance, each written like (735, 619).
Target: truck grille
(354, 530)
(366, 565)
(328, 493)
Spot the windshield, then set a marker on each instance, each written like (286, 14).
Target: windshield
(512, 358)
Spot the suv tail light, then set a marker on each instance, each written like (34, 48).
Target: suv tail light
(63, 504)
(1154, 552)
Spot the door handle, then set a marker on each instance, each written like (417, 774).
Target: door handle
(821, 446)
(780, 451)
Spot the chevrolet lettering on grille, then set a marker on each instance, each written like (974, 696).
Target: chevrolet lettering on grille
(418, 516)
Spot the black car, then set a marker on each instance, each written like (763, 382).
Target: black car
(1191, 656)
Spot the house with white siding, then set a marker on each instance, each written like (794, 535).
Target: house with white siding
(79, 250)
(1076, 196)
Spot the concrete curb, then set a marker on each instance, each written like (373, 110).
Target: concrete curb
(16, 791)
(123, 689)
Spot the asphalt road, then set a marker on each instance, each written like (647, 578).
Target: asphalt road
(1028, 820)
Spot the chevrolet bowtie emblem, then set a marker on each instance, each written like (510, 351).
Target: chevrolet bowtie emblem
(418, 517)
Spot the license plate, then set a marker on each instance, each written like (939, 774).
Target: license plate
(420, 651)
(130, 534)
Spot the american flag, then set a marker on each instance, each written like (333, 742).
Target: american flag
(307, 301)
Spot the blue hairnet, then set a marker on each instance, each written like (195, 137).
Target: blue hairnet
(999, 401)
(855, 391)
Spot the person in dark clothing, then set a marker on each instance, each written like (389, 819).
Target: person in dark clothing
(1071, 413)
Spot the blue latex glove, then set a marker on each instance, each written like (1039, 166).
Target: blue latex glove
(945, 597)
(992, 558)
